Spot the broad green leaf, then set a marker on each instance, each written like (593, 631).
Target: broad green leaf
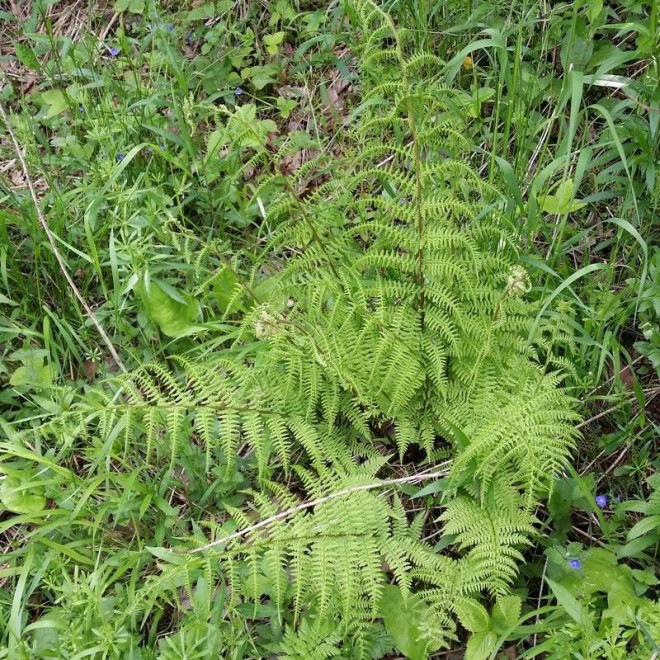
(45, 632)
(26, 56)
(167, 555)
(434, 487)
(594, 7)
(265, 289)
(473, 616)
(224, 287)
(213, 144)
(134, 6)
(260, 80)
(173, 312)
(56, 102)
(285, 106)
(201, 13)
(34, 373)
(564, 597)
(480, 645)
(273, 41)
(405, 620)
(644, 526)
(20, 497)
(636, 547)
(506, 612)
(563, 201)
(622, 600)
(260, 76)
(31, 376)
(7, 301)
(248, 130)
(511, 182)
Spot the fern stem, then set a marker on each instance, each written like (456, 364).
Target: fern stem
(307, 219)
(418, 184)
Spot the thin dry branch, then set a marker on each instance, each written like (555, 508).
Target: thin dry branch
(415, 478)
(53, 244)
(653, 391)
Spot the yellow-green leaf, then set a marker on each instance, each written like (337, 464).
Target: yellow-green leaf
(26, 56)
(19, 498)
(56, 102)
(174, 312)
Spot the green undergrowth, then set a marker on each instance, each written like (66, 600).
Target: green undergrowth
(383, 284)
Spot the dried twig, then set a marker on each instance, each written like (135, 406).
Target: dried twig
(415, 478)
(653, 391)
(53, 244)
(538, 601)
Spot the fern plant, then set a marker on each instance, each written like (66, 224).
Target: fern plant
(398, 328)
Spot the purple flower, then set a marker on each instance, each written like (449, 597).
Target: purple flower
(120, 157)
(114, 51)
(170, 28)
(575, 563)
(189, 38)
(601, 501)
(238, 91)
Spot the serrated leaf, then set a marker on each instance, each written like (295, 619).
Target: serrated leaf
(473, 615)
(506, 612)
(480, 645)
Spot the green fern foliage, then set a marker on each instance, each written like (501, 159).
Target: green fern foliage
(397, 332)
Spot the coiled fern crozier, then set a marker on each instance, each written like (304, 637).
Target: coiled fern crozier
(398, 328)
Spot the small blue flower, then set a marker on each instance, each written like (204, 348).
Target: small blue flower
(618, 498)
(189, 38)
(575, 563)
(81, 110)
(170, 28)
(238, 91)
(149, 150)
(402, 201)
(162, 146)
(120, 157)
(114, 51)
(601, 501)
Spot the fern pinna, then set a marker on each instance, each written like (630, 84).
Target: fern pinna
(399, 324)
